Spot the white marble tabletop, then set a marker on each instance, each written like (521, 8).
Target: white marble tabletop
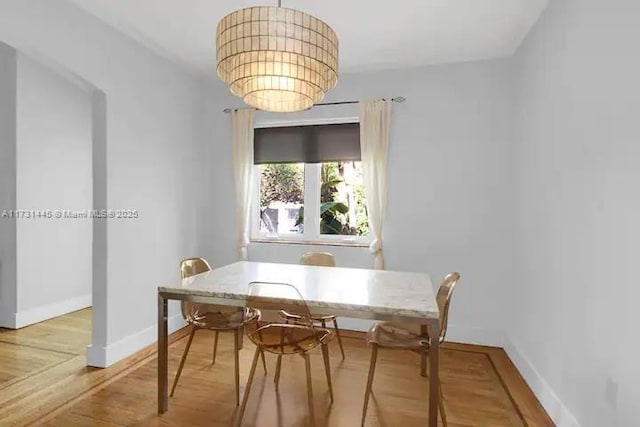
(352, 292)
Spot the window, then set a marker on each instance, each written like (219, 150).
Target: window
(308, 185)
(281, 198)
(343, 210)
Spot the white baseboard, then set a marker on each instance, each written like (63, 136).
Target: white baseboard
(454, 333)
(103, 357)
(7, 321)
(557, 410)
(49, 311)
(488, 337)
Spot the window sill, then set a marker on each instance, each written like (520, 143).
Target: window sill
(311, 243)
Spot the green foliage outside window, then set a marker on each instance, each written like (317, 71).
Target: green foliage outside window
(333, 218)
(281, 182)
(334, 214)
(362, 223)
(342, 212)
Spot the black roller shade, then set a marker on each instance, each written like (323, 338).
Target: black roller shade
(307, 144)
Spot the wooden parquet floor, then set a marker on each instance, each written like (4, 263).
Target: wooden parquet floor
(52, 387)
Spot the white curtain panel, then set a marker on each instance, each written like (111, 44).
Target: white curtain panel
(242, 124)
(374, 144)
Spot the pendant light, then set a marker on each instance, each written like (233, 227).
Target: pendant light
(275, 58)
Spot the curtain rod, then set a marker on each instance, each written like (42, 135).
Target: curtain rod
(398, 99)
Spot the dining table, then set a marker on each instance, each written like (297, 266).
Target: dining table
(358, 293)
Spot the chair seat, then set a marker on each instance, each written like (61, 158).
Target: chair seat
(280, 338)
(389, 335)
(314, 317)
(318, 318)
(224, 320)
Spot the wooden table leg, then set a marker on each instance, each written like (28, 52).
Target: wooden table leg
(424, 332)
(434, 372)
(163, 356)
(240, 339)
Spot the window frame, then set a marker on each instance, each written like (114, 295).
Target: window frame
(311, 234)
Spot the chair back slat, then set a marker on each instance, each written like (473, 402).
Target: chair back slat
(319, 259)
(190, 267)
(443, 299)
(280, 335)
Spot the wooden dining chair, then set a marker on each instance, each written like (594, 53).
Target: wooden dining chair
(323, 259)
(318, 259)
(399, 337)
(213, 318)
(293, 337)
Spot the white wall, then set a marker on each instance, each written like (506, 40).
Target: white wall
(8, 95)
(450, 186)
(575, 327)
(151, 134)
(569, 303)
(53, 172)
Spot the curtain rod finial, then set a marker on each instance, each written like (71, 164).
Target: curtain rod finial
(399, 99)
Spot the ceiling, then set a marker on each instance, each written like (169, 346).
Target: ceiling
(373, 34)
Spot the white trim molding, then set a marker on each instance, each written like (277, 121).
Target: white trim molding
(457, 334)
(49, 311)
(326, 115)
(557, 410)
(307, 122)
(103, 357)
(477, 336)
(7, 320)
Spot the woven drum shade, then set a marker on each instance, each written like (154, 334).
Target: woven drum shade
(277, 59)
